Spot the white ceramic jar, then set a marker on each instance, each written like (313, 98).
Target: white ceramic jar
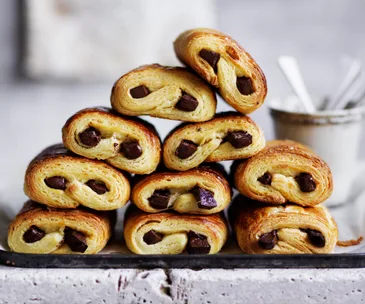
(334, 135)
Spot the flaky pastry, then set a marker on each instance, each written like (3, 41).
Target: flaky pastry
(285, 171)
(223, 63)
(285, 229)
(171, 233)
(165, 92)
(196, 191)
(129, 144)
(40, 229)
(228, 136)
(58, 178)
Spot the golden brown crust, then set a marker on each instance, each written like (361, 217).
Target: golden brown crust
(114, 130)
(234, 62)
(209, 136)
(252, 220)
(175, 228)
(96, 226)
(284, 161)
(166, 86)
(180, 185)
(349, 243)
(77, 171)
(287, 142)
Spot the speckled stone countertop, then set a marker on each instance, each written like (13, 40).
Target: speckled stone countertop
(181, 286)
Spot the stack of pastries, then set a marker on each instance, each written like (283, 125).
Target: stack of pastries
(279, 207)
(178, 190)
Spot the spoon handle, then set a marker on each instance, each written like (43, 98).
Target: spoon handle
(290, 68)
(356, 97)
(339, 100)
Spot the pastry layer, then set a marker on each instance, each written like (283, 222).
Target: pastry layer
(196, 191)
(165, 92)
(228, 136)
(61, 179)
(285, 171)
(171, 233)
(39, 229)
(129, 144)
(223, 63)
(286, 229)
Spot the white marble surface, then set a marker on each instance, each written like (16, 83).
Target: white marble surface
(259, 286)
(83, 286)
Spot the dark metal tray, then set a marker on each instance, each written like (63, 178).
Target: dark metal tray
(225, 261)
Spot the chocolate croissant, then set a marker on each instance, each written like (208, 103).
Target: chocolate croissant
(223, 63)
(40, 229)
(171, 233)
(58, 178)
(196, 191)
(228, 136)
(286, 229)
(285, 171)
(129, 144)
(165, 92)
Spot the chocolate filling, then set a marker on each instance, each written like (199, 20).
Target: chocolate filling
(139, 92)
(152, 237)
(315, 237)
(265, 179)
(268, 240)
(75, 240)
(244, 85)
(131, 149)
(306, 182)
(205, 198)
(160, 199)
(198, 244)
(239, 139)
(56, 182)
(97, 186)
(33, 234)
(186, 149)
(90, 137)
(210, 57)
(187, 103)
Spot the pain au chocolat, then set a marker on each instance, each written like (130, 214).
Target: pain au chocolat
(285, 171)
(226, 137)
(171, 233)
(129, 144)
(165, 92)
(223, 63)
(58, 178)
(40, 229)
(284, 229)
(202, 190)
